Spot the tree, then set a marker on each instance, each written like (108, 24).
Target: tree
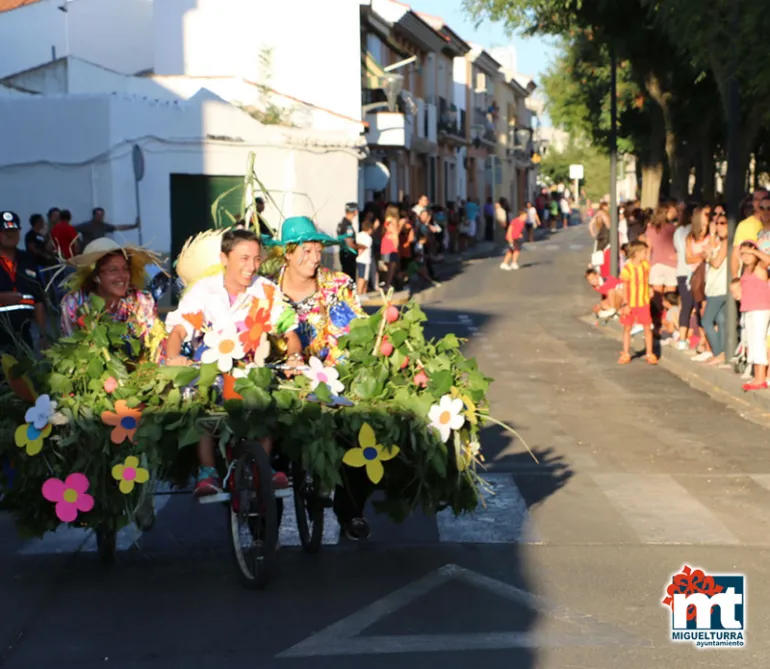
(596, 167)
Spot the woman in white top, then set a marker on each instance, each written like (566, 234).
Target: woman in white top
(716, 291)
(533, 221)
(683, 274)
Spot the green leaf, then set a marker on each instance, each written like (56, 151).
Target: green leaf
(397, 338)
(100, 336)
(364, 385)
(60, 384)
(284, 399)
(440, 383)
(361, 336)
(397, 359)
(190, 436)
(208, 373)
(173, 398)
(323, 393)
(95, 367)
(97, 302)
(255, 399)
(261, 377)
(448, 343)
(186, 376)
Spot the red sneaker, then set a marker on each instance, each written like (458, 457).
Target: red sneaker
(280, 481)
(754, 386)
(208, 483)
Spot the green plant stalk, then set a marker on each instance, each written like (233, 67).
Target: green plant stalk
(508, 428)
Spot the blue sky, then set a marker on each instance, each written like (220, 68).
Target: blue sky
(533, 54)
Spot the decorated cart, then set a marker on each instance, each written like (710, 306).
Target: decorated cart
(89, 432)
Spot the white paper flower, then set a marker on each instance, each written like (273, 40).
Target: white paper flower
(223, 348)
(446, 416)
(41, 414)
(319, 374)
(261, 352)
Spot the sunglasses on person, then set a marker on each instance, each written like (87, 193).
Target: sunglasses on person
(765, 208)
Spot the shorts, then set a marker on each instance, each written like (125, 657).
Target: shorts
(362, 270)
(638, 316)
(390, 257)
(515, 245)
(662, 275)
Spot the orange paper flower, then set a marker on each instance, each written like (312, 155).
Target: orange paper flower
(257, 323)
(124, 420)
(196, 320)
(228, 388)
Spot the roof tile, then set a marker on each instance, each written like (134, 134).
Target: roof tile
(8, 5)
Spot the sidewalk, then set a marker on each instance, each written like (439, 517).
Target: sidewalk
(723, 385)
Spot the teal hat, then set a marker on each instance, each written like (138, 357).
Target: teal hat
(298, 230)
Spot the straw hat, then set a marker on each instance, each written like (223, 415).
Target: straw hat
(85, 263)
(200, 257)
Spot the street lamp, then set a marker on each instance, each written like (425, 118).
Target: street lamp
(392, 84)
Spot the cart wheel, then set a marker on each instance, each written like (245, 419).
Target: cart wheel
(309, 509)
(253, 521)
(106, 546)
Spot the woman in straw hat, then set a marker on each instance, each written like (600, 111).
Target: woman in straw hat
(113, 272)
(326, 303)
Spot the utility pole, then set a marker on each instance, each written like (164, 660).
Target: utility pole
(734, 186)
(614, 250)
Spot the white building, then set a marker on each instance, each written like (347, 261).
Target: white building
(68, 125)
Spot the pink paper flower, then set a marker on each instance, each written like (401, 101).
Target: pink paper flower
(69, 496)
(110, 384)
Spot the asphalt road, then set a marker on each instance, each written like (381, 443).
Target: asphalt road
(639, 475)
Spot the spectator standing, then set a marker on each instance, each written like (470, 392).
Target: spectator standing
(64, 235)
(714, 318)
(364, 259)
(748, 229)
(37, 243)
(755, 303)
(533, 221)
(635, 309)
(566, 210)
(97, 227)
(347, 232)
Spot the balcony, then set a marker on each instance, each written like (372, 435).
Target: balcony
(451, 130)
(484, 122)
(389, 129)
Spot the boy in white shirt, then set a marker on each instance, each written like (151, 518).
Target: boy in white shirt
(364, 259)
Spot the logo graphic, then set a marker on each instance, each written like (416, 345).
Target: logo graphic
(708, 611)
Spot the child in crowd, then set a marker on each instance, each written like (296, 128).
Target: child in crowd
(364, 259)
(611, 290)
(513, 237)
(755, 305)
(670, 327)
(635, 309)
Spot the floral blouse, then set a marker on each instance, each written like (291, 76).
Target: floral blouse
(137, 308)
(326, 315)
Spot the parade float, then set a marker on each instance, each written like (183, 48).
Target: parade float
(89, 430)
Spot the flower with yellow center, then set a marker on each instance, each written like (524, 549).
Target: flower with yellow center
(223, 347)
(369, 454)
(446, 416)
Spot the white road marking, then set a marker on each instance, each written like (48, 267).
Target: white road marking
(762, 479)
(661, 511)
(504, 520)
(345, 636)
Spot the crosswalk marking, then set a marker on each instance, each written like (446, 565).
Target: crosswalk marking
(651, 509)
(661, 511)
(504, 520)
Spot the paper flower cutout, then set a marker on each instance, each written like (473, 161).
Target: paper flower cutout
(29, 437)
(196, 320)
(21, 385)
(465, 452)
(228, 387)
(318, 374)
(110, 384)
(129, 474)
(224, 347)
(369, 454)
(446, 416)
(69, 496)
(261, 352)
(41, 414)
(257, 324)
(124, 421)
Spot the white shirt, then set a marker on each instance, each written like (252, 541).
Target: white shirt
(531, 216)
(716, 278)
(680, 244)
(564, 204)
(364, 257)
(209, 296)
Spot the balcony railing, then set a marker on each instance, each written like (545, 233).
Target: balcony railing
(446, 125)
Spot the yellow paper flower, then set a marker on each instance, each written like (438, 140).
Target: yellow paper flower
(369, 454)
(29, 437)
(129, 473)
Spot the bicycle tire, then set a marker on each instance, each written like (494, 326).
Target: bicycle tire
(309, 510)
(253, 508)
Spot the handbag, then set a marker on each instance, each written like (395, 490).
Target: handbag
(698, 283)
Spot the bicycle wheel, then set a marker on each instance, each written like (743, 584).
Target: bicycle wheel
(106, 546)
(253, 521)
(309, 509)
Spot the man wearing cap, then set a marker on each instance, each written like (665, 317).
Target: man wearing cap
(349, 248)
(21, 292)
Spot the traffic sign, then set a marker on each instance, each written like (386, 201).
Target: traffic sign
(575, 171)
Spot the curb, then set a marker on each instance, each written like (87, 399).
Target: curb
(719, 384)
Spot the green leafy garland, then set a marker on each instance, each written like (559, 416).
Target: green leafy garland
(118, 416)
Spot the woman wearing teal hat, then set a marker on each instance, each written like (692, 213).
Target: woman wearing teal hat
(326, 302)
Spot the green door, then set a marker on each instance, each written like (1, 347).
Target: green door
(191, 198)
